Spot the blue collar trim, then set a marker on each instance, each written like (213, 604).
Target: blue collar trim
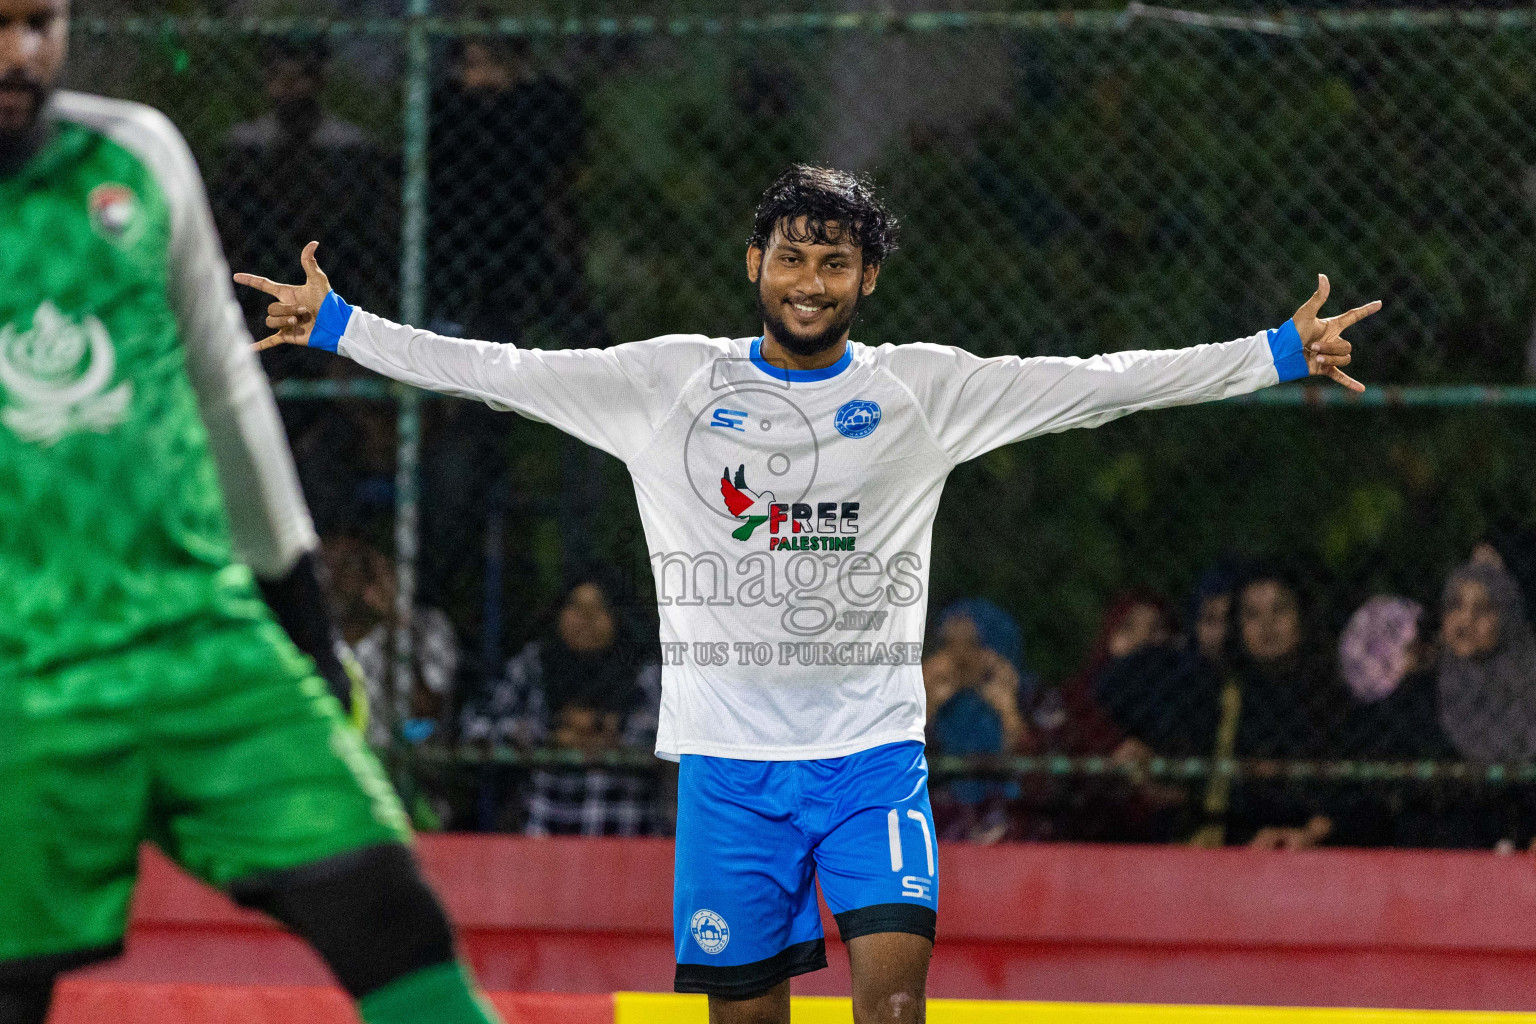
(800, 376)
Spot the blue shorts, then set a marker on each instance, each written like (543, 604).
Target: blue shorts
(753, 839)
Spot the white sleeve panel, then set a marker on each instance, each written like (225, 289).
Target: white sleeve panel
(613, 398)
(974, 405)
(269, 521)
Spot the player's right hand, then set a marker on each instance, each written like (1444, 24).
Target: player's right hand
(292, 316)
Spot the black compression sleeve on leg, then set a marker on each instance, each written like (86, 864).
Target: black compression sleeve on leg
(368, 913)
(25, 1000)
(298, 602)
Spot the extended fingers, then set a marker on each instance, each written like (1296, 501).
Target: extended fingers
(312, 272)
(271, 341)
(1345, 379)
(1348, 319)
(272, 288)
(1311, 306)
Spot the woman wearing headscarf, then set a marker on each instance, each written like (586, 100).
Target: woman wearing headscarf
(1485, 697)
(1290, 707)
(1388, 665)
(1487, 684)
(1162, 691)
(1387, 658)
(586, 685)
(1097, 712)
(973, 684)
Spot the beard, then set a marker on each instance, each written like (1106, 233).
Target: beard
(798, 344)
(19, 143)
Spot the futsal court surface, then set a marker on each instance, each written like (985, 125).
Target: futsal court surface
(91, 1002)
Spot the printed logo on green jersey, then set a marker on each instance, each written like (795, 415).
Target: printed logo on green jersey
(55, 378)
(114, 212)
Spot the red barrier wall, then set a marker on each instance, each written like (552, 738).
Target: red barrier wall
(80, 1001)
(1134, 924)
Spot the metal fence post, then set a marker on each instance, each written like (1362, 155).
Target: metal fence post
(413, 240)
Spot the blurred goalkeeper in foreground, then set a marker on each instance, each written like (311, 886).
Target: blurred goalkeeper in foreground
(146, 692)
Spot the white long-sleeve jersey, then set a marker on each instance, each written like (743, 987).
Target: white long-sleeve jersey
(789, 514)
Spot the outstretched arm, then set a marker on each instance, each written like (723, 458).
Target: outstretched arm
(611, 398)
(974, 405)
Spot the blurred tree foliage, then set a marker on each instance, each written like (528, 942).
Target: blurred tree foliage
(1156, 187)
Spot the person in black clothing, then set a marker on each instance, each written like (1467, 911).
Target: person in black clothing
(588, 684)
(298, 173)
(505, 252)
(506, 264)
(1164, 693)
(1388, 661)
(1292, 708)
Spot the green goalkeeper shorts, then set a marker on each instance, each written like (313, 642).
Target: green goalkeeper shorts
(217, 742)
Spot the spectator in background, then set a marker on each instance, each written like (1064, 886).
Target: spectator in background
(973, 683)
(1211, 614)
(1388, 664)
(1487, 677)
(1132, 622)
(363, 586)
(506, 263)
(1164, 693)
(1513, 549)
(589, 686)
(1292, 707)
(1076, 722)
(298, 173)
(1388, 660)
(506, 254)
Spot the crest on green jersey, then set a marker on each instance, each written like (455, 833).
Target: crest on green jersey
(114, 212)
(55, 378)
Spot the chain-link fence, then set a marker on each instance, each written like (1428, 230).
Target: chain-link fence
(1175, 601)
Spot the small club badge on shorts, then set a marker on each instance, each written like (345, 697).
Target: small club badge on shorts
(710, 931)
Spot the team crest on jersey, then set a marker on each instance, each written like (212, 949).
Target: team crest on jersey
(857, 418)
(55, 378)
(114, 211)
(710, 931)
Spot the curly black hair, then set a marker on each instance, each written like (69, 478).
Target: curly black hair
(836, 205)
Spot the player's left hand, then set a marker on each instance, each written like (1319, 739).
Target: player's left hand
(1322, 341)
(293, 314)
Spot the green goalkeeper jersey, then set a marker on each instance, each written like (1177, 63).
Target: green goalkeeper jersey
(130, 404)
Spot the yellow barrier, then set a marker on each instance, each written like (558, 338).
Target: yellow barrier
(664, 1008)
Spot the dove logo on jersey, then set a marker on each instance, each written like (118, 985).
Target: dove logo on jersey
(743, 503)
(754, 509)
(857, 418)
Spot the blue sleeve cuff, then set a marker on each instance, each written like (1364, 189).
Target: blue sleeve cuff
(1285, 349)
(331, 323)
